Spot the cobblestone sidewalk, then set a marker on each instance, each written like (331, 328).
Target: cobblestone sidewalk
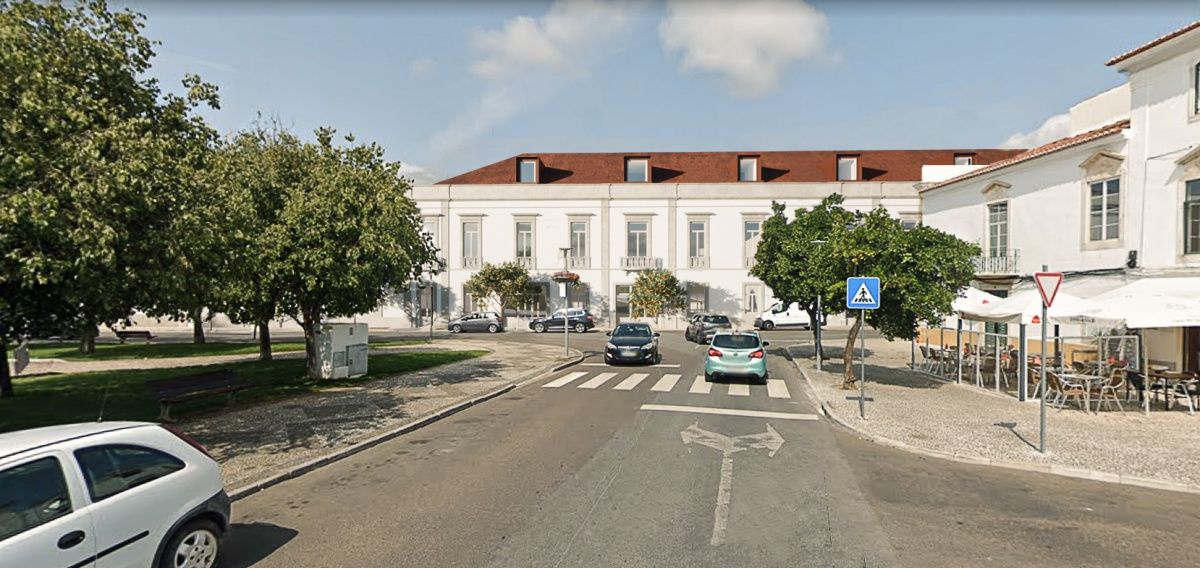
(965, 421)
(259, 441)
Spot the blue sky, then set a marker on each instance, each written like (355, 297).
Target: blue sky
(447, 87)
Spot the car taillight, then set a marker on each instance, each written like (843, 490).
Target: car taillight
(188, 439)
(713, 352)
(757, 354)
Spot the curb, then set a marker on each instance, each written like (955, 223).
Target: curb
(1064, 471)
(322, 461)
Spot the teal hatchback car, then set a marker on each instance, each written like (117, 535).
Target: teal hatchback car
(736, 354)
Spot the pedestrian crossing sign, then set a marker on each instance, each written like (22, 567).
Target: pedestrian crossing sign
(862, 293)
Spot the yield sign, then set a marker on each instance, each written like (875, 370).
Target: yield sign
(1047, 284)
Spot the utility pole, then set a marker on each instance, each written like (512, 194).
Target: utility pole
(566, 251)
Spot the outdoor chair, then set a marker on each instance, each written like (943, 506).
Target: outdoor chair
(1108, 391)
(1181, 390)
(1064, 390)
(926, 359)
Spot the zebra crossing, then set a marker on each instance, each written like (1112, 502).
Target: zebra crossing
(669, 382)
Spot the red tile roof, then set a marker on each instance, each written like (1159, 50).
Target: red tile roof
(1153, 43)
(1044, 149)
(722, 167)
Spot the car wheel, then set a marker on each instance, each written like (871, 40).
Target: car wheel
(768, 325)
(657, 357)
(493, 328)
(540, 328)
(580, 328)
(708, 378)
(764, 378)
(195, 545)
(456, 328)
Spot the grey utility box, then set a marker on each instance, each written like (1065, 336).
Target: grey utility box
(343, 349)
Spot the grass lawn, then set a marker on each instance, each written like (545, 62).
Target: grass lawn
(59, 399)
(107, 351)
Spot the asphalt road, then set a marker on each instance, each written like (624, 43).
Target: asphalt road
(565, 475)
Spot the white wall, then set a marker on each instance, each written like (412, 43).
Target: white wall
(1105, 108)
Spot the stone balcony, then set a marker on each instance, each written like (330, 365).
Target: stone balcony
(640, 263)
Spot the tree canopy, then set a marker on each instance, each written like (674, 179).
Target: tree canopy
(503, 284)
(921, 270)
(655, 293)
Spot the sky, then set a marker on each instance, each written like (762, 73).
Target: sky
(446, 87)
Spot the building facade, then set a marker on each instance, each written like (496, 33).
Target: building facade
(609, 216)
(1115, 201)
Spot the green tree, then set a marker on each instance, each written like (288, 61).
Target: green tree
(921, 270)
(96, 162)
(329, 229)
(504, 284)
(655, 293)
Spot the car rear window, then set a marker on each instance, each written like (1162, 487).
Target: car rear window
(736, 341)
(716, 319)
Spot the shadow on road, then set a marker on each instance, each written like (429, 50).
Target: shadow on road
(250, 543)
(1012, 427)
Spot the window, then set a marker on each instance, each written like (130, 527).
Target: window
(1196, 89)
(747, 169)
(32, 494)
(697, 297)
(110, 470)
(751, 234)
(847, 168)
(577, 295)
(637, 238)
(471, 244)
(430, 227)
(579, 231)
(637, 169)
(752, 298)
(527, 171)
(1104, 210)
(998, 229)
(964, 159)
(524, 239)
(535, 301)
(697, 239)
(1191, 217)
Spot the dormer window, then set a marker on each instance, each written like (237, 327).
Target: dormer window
(747, 169)
(847, 168)
(527, 170)
(637, 169)
(964, 159)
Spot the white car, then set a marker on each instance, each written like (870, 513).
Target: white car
(781, 315)
(108, 495)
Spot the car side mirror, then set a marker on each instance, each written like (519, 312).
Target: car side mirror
(766, 343)
(657, 334)
(608, 333)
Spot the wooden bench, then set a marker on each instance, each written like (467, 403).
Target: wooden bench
(123, 334)
(174, 390)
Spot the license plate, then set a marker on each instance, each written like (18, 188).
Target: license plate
(629, 352)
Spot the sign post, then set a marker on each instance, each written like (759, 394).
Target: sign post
(862, 294)
(1047, 284)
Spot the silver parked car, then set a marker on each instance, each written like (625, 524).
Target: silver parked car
(490, 322)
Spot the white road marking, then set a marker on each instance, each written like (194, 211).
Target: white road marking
(776, 388)
(563, 380)
(666, 365)
(666, 383)
(700, 386)
(631, 382)
(598, 380)
(729, 411)
(694, 434)
(593, 364)
(739, 389)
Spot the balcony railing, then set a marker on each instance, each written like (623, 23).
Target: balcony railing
(472, 262)
(640, 262)
(748, 262)
(697, 262)
(578, 262)
(526, 262)
(1000, 262)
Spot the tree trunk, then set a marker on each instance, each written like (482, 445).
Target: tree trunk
(848, 378)
(87, 339)
(264, 341)
(311, 325)
(6, 386)
(198, 326)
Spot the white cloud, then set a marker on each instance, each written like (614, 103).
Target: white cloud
(420, 67)
(418, 174)
(1055, 127)
(750, 44)
(528, 59)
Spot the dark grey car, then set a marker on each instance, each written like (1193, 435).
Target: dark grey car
(490, 322)
(703, 326)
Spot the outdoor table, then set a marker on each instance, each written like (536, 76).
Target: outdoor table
(1167, 377)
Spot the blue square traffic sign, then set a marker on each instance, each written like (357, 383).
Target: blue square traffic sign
(862, 293)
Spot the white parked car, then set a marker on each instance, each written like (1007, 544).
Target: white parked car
(781, 315)
(108, 495)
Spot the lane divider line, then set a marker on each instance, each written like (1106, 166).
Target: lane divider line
(729, 412)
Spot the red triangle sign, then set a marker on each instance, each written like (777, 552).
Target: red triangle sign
(1047, 284)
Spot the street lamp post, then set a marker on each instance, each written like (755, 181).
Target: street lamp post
(819, 318)
(566, 251)
(431, 269)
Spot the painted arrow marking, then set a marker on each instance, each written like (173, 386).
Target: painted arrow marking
(694, 434)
